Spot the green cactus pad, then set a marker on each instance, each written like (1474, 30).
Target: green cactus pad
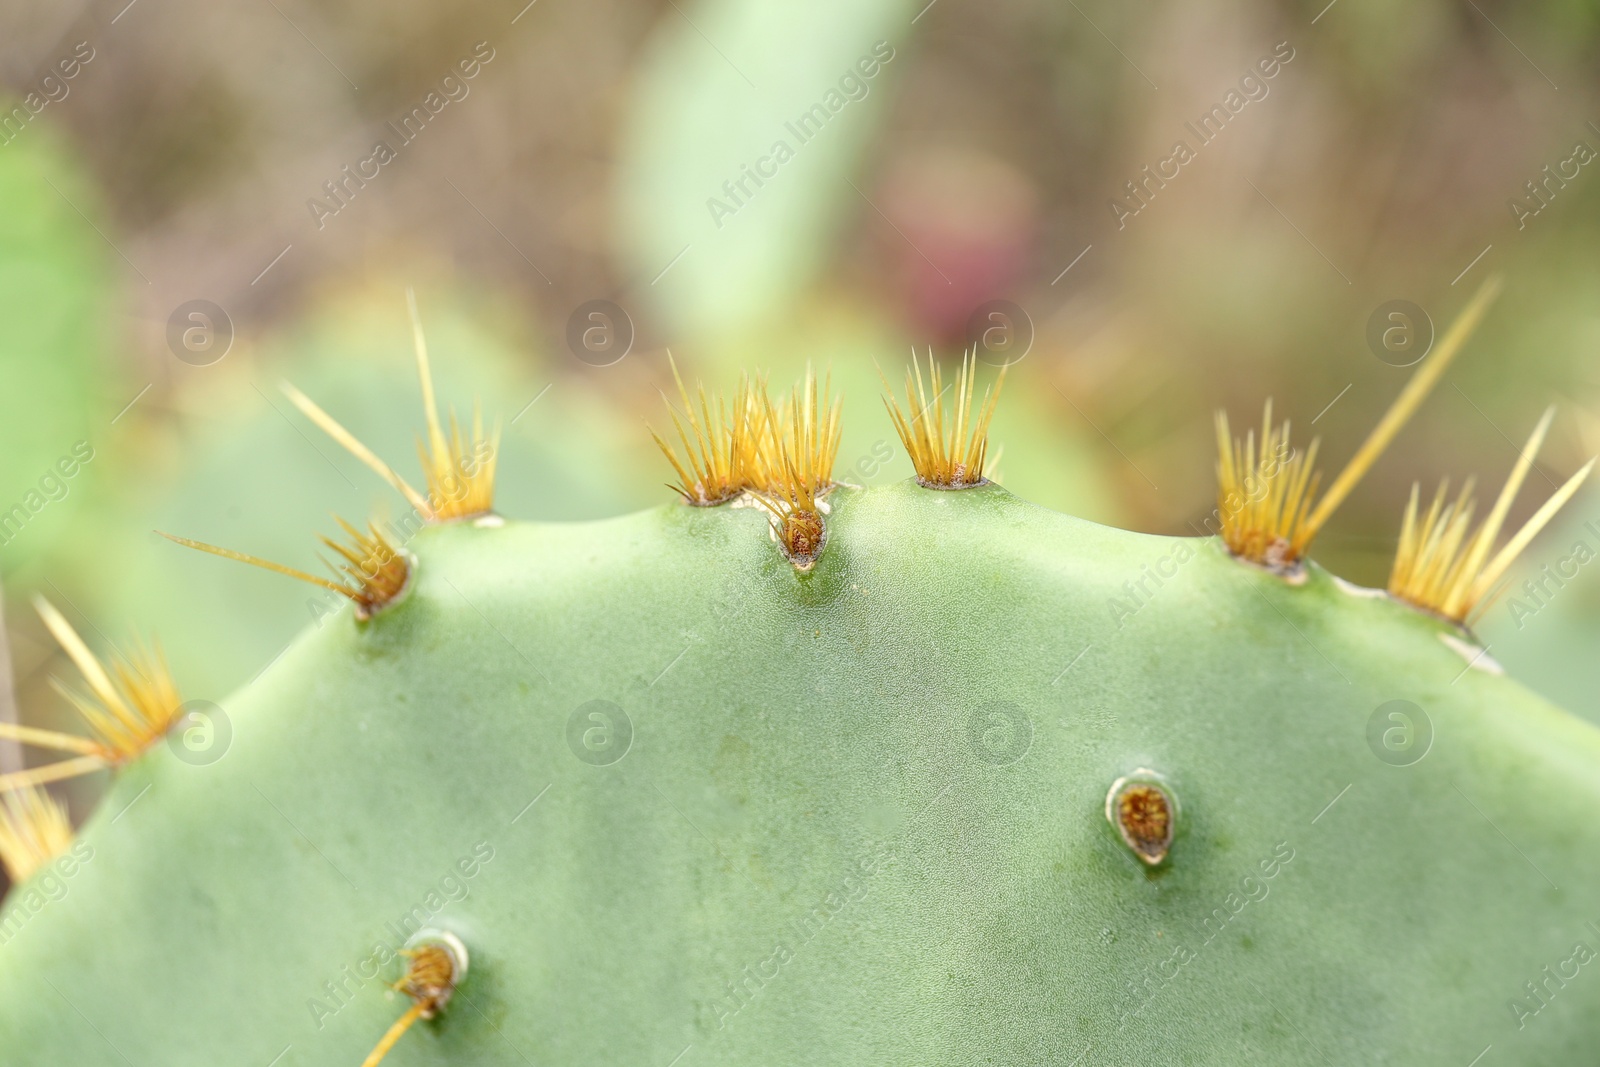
(685, 806)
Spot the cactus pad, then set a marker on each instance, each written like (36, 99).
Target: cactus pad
(688, 805)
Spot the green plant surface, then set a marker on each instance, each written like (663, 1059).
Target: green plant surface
(832, 741)
(57, 306)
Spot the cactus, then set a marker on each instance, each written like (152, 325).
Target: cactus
(819, 774)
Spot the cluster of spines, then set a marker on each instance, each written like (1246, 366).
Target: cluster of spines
(944, 457)
(780, 453)
(458, 469)
(802, 440)
(1442, 568)
(1265, 508)
(127, 708)
(1265, 494)
(34, 829)
(373, 572)
(718, 445)
(1267, 515)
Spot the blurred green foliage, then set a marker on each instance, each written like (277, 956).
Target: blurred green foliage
(785, 90)
(59, 311)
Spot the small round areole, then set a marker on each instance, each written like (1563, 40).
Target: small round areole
(438, 994)
(1143, 809)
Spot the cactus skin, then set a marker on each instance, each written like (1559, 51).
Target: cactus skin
(787, 728)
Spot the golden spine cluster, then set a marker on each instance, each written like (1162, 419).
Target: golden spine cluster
(127, 708)
(717, 444)
(945, 457)
(459, 471)
(1264, 499)
(781, 453)
(1441, 568)
(801, 441)
(34, 829)
(374, 572)
(1264, 496)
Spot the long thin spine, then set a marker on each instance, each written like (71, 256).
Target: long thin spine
(85, 660)
(257, 561)
(330, 426)
(394, 1034)
(1472, 563)
(51, 739)
(1410, 398)
(1504, 558)
(52, 772)
(425, 376)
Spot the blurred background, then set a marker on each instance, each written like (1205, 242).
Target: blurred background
(199, 201)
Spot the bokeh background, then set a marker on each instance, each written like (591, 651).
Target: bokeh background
(187, 155)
